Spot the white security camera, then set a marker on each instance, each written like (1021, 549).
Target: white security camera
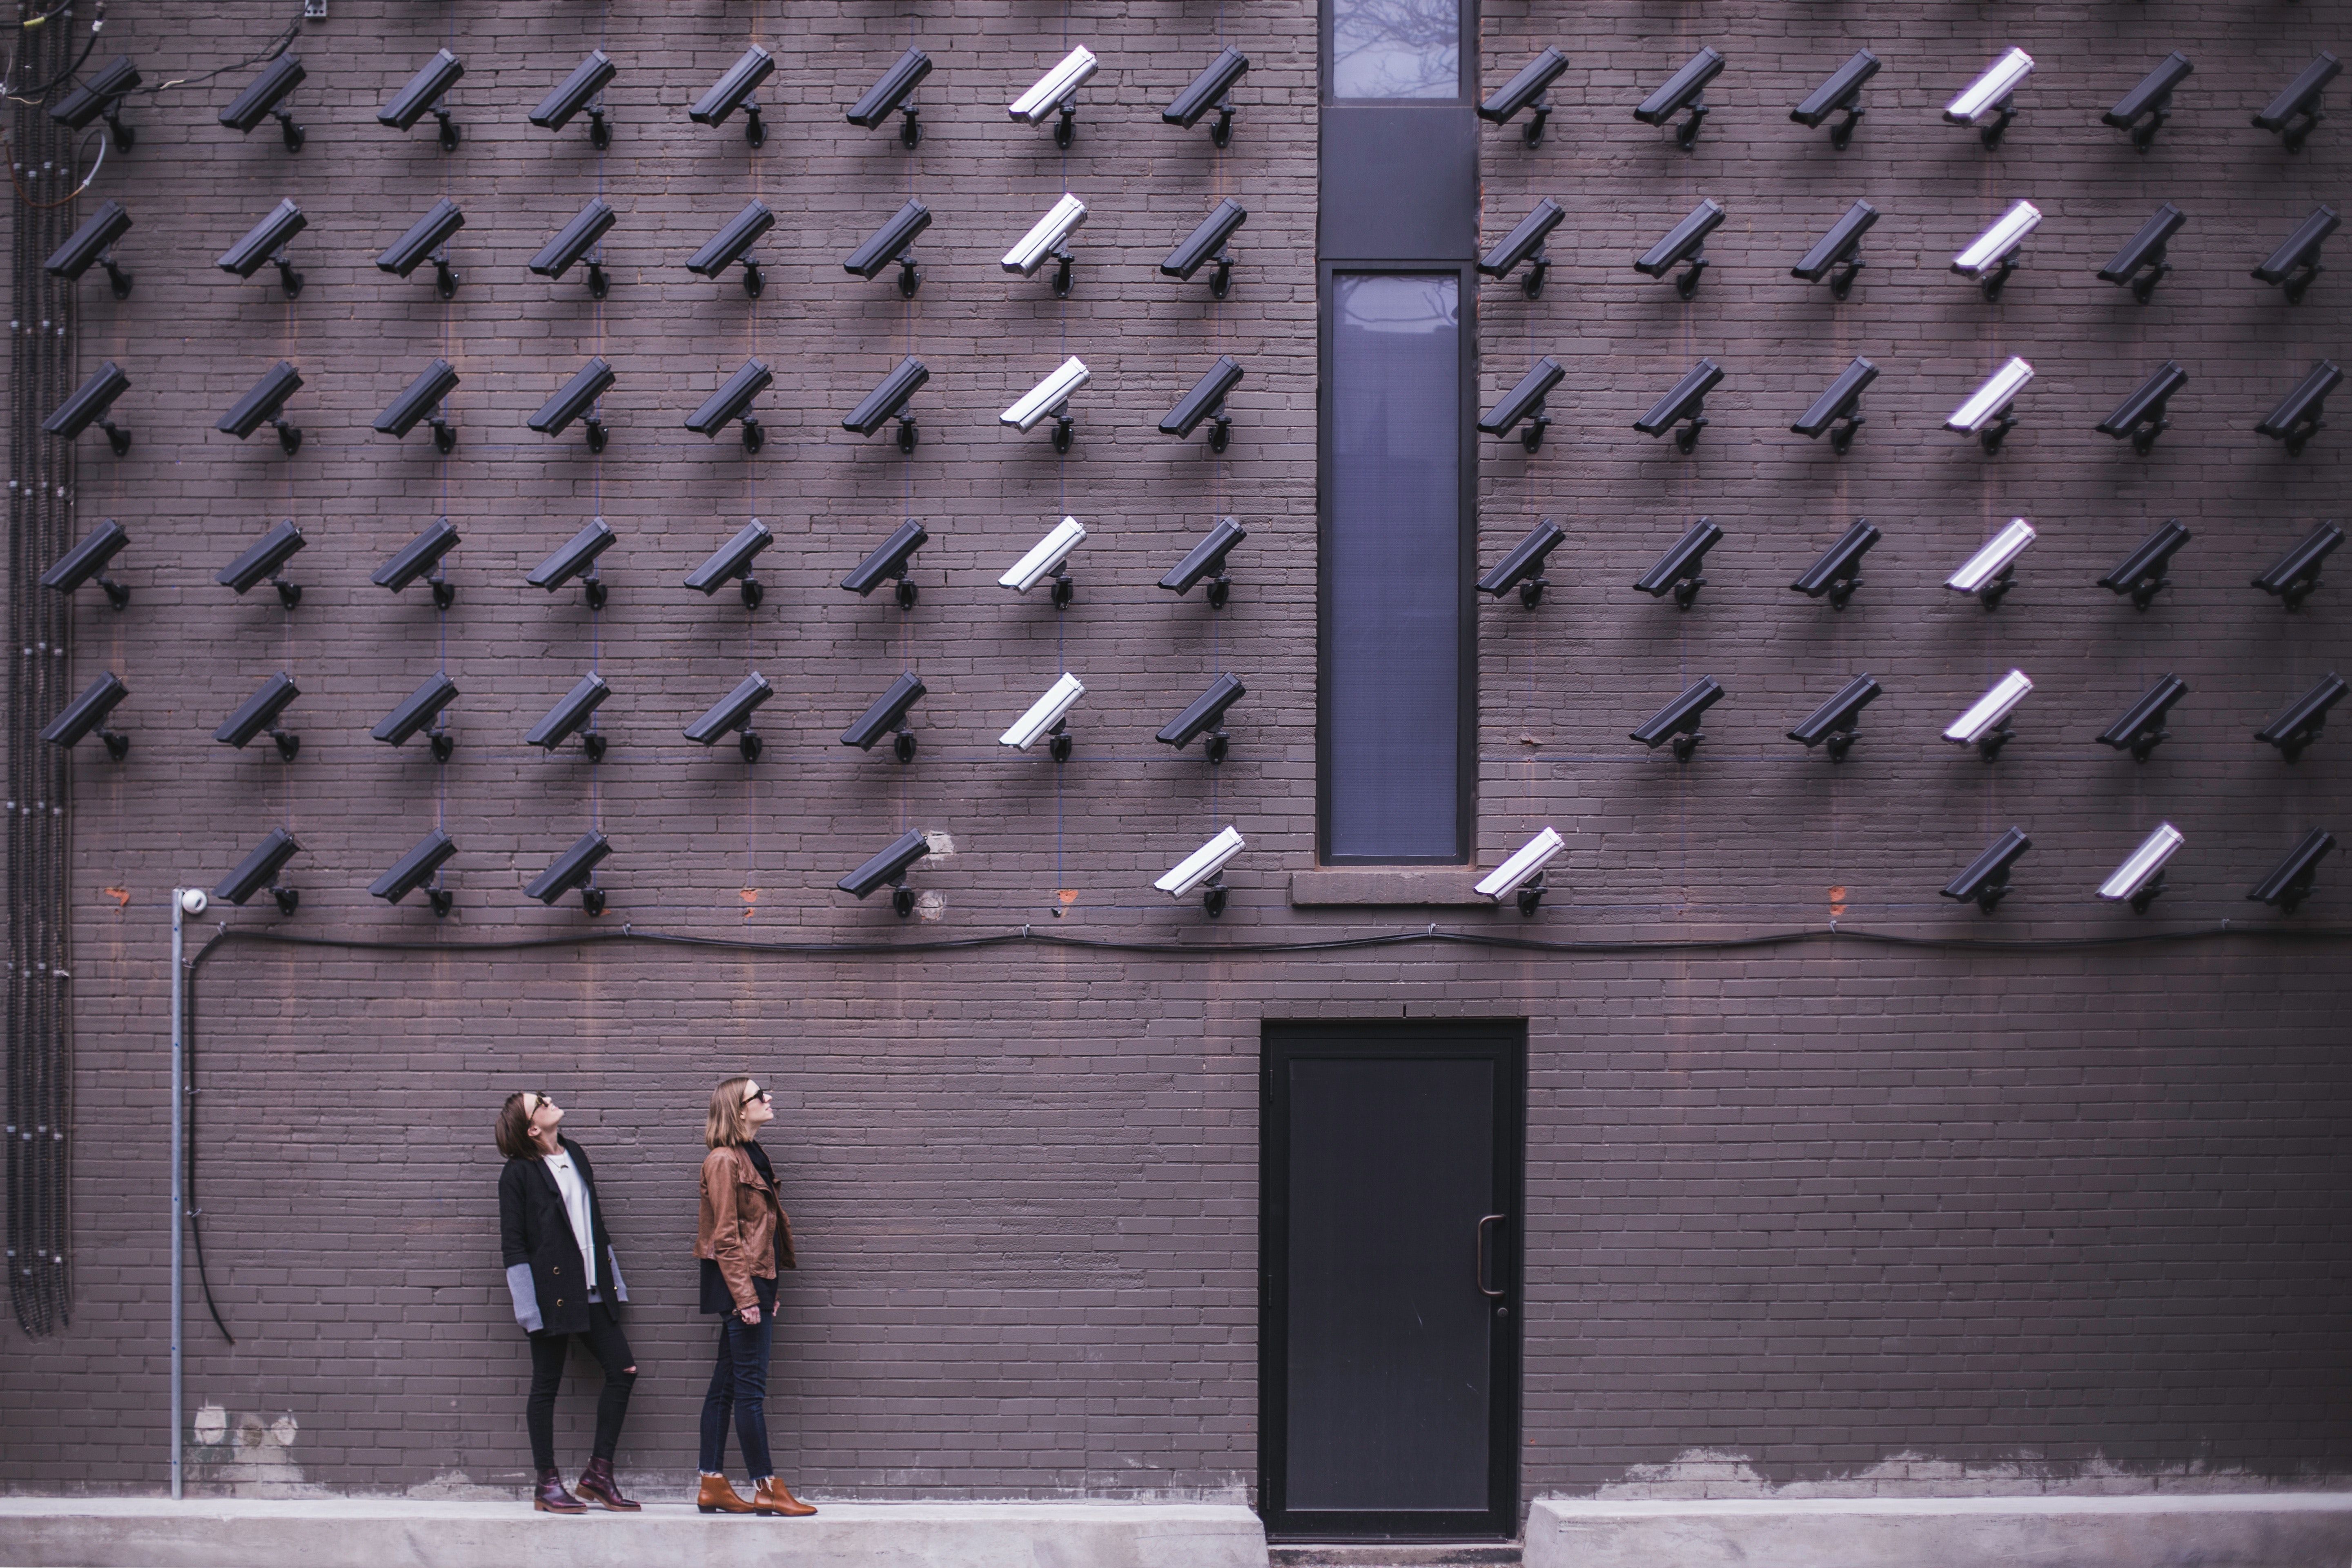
(1047, 395)
(1046, 557)
(1047, 714)
(1984, 103)
(2141, 876)
(1991, 256)
(1054, 88)
(1045, 237)
(1523, 872)
(193, 900)
(1201, 868)
(1985, 414)
(1985, 725)
(1987, 573)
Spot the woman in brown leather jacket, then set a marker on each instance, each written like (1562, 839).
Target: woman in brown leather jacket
(742, 1241)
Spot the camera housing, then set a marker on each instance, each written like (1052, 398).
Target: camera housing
(1520, 876)
(2141, 729)
(888, 869)
(732, 244)
(259, 713)
(1836, 723)
(1842, 93)
(1207, 559)
(887, 716)
(1046, 559)
(413, 870)
(1050, 396)
(420, 708)
(2294, 264)
(577, 397)
(1524, 404)
(2146, 571)
(889, 562)
(2295, 113)
(1048, 238)
(422, 402)
(1682, 244)
(2141, 417)
(262, 100)
(2290, 883)
(581, 89)
(1204, 868)
(1984, 723)
(425, 91)
(1677, 571)
(428, 237)
(265, 560)
(2292, 577)
(1991, 256)
(2143, 109)
(2140, 877)
(577, 556)
(1210, 240)
(1988, 102)
(889, 96)
(267, 402)
(1838, 406)
(1206, 715)
(1990, 573)
(1047, 716)
(1523, 567)
(733, 400)
(572, 711)
(89, 404)
(733, 560)
(733, 91)
(1678, 721)
(1213, 87)
(2140, 264)
(1985, 882)
(731, 714)
(573, 241)
(93, 243)
(1526, 90)
(1681, 91)
(257, 872)
(1684, 406)
(2300, 724)
(1206, 401)
(576, 867)
(265, 243)
(1053, 93)
(1524, 243)
(98, 96)
(418, 556)
(2297, 419)
(1838, 573)
(1985, 412)
(86, 715)
(1841, 248)
(893, 242)
(86, 562)
(888, 400)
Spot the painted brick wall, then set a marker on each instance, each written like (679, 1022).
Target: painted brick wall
(1831, 1213)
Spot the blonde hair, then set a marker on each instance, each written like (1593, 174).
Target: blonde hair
(512, 1128)
(726, 1126)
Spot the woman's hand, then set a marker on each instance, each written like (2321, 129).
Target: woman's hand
(751, 1315)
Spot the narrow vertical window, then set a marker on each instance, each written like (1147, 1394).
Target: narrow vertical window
(1394, 616)
(1396, 48)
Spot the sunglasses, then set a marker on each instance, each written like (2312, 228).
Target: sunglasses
(757, 1095)
(531, 1102)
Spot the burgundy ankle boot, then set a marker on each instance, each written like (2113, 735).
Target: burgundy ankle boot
(551, 1497)
(598, 1485)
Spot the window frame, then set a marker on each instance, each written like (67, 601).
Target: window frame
(1465, 59)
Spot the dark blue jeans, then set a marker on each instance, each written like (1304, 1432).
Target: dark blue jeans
(738, 1383)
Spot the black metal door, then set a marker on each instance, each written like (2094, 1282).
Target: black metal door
(1389, 1337)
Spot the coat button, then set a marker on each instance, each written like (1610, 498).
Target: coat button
(559, 1301)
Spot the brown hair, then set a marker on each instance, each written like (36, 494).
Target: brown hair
(512, 1130)
(725, 1128)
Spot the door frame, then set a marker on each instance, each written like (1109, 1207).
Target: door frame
(1281, 1041)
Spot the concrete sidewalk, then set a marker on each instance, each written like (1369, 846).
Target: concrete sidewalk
(156, 1532)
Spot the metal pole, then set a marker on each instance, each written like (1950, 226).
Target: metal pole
(179, 1166)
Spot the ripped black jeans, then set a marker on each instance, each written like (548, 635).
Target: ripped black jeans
(548, 1353)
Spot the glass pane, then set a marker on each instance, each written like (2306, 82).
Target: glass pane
(1392, 570)
(1396, 48)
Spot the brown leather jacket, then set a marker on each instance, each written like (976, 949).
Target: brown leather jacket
(742, 1223)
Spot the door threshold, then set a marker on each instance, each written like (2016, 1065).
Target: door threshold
(1394, 1553)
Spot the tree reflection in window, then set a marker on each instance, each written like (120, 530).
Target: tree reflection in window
(1396, 48)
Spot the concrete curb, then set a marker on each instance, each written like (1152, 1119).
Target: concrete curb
(2266, 1529)
(107, 1533)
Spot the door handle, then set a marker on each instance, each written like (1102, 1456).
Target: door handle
(1483, 1221)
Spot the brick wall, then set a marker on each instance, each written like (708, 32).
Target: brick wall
(2070, 1207)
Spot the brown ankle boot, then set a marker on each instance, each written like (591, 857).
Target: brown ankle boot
(598, 1485)
(773, 1497)
(551, 1497)
(718, 1496)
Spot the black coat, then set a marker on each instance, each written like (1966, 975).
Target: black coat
(545, 1273)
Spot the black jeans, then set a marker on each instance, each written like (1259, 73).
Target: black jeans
(548, 1353)
(740, 1383)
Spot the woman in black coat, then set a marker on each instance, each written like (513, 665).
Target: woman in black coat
(564, 1279)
